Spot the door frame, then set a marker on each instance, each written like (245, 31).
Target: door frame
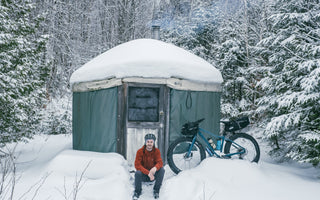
(162, 125)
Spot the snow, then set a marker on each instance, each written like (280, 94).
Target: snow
(48, 168)
(147, 58)
(310, 136)
(288, 40)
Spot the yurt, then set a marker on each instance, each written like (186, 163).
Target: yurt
(139, 87)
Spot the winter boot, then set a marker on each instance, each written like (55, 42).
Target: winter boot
(135, 196)
(156, 194)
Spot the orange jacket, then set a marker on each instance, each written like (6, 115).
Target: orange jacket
(145, 160)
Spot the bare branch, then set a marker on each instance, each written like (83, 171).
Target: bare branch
(78, 184)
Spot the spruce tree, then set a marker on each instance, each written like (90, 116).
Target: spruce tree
(234, 58)
(291, 83)
(22, 70)
(231, 60)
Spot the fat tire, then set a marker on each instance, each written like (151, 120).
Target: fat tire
(246, 136)
(172, 146)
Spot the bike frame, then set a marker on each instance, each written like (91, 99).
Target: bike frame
(210, 149)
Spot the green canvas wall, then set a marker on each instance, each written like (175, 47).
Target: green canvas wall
(95, 120)
(193, 105)
(95, 116)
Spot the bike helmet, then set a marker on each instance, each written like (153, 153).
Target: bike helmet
(150, 136)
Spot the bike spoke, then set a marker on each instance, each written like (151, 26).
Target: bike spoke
(180, 158)
(249, 149)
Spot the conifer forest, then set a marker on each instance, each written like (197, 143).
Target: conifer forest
(268, 52)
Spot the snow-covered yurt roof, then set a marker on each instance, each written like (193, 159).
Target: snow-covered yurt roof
(147, 61)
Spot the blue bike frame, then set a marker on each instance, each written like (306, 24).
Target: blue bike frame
(210, 149)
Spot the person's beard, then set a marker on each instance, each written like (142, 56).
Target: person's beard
(149, 147)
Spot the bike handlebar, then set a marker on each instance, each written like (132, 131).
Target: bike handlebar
(199, 121)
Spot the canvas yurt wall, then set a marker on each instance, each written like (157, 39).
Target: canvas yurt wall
(95, 120)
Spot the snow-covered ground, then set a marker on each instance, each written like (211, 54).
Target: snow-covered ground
(48, 168)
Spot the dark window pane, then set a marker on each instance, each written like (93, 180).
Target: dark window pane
(143, 104)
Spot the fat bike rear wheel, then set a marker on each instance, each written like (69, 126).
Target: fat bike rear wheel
(243, 143)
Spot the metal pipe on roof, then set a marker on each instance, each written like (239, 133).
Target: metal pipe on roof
(155, 30)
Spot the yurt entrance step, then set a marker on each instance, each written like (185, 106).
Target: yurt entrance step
(145, 113)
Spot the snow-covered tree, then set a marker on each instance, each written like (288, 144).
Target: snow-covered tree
(82, 29)
(241, 29)
(196, 30)
(291, 85)
(23, 70)
(231, 59)
(223, 33)
(79, 30)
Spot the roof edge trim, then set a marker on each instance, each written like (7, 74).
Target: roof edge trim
(174, 83)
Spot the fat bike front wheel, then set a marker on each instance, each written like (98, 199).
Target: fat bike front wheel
(243, 147)
(179, 157)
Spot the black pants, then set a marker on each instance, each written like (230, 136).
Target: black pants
(141, 177)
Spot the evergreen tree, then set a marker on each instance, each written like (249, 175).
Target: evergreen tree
(224, 34)
(22, 70)
(234, 57)
(231, 60)
(291, 85)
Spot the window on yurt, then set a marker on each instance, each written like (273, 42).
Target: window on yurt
(143, 104)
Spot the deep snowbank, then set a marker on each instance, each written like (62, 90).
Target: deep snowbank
(48, 164)
(49, 169)
(104, 175)
(236, 179)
